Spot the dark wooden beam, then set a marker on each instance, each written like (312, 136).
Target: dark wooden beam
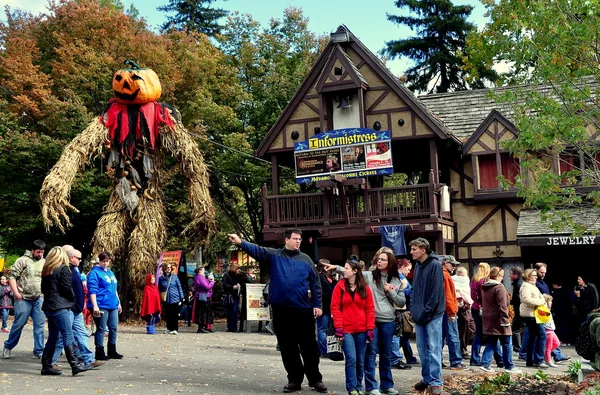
(274, 175)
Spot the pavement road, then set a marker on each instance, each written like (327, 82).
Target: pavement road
(189, 363)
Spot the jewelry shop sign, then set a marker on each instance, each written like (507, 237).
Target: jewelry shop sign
(351, 152)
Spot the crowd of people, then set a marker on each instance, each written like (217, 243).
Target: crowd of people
(54, 290)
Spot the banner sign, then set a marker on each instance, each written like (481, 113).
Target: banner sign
(171, 257)
(255, 302)
(352, 152)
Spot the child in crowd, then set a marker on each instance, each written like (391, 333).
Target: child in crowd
(6, 301)
(151, 304)
(552, 341)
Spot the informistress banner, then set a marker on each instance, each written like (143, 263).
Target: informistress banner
(256, 310)
(352, 152)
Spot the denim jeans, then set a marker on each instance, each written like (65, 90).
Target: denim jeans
(407, 349)
(382, 343)
(477, 339)
(107, 322)
(4, 318)
(490, 348)
(355, 347)
(429, 344)
(81, 340)
(536, 342)
(232, 313)
(556, 353)
(23, 310)
(322, 324)
(450, 337)
(396, 352)
(60, 323)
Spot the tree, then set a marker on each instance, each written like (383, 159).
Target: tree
(193, 16)
(552, 47)
(441, 29)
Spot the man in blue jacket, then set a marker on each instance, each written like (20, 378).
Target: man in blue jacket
(293, 275)
(427, 309)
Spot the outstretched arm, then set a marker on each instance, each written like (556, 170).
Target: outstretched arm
(183, 148)
(56, 189)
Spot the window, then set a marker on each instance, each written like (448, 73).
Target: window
(488, 170)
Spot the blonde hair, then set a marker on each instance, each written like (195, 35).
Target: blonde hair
(461, 271)
(527, 273)
(547, 298)
(495, 273)
(483, 272)
(56, 258)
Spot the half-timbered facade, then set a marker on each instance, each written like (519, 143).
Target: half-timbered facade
(449, 145)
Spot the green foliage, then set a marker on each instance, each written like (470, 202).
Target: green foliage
(573, 370)
(437, 50)
(540, 375)
(493, 386)
(193, 16)
(554, 46)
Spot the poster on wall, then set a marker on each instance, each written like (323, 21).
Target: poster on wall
(171, 257)
(351, 152)
(257, 310)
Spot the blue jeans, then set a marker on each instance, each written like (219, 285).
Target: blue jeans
(60, 323)
(396, 352)
(491, 346)
(322, 324)
(232, 313)
(536, 342)
(23, 310)
(355, 347)
(4, 318)
(450, 337)
(107, 322)
(477, 339)
(556, 353)
(407, 349)
(81, 340)
(382, 343)
(429, 344)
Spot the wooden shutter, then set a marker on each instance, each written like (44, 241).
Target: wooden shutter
(488, 171)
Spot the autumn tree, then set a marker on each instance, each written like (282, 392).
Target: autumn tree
(437, 49)
(551, 47)
(193, 16)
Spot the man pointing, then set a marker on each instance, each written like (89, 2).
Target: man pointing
(293, 275)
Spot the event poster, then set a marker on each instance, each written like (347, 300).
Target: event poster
(351, 152)
(171, 257)
(257, 309)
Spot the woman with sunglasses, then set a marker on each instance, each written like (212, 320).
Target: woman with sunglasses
(386, 289)
(353, 315)
(531, 297)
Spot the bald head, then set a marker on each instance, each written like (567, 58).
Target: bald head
(74, 257)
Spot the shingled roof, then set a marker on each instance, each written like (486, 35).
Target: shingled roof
(531, 223)
(462, 112)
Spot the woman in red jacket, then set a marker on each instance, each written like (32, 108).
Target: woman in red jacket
(353, 313)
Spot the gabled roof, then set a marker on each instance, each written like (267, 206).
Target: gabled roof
(493, 116)
(531, 223)
(309, 81)
(464, 111)
(338, 53)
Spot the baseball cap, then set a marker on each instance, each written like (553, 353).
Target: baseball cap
(450, 259)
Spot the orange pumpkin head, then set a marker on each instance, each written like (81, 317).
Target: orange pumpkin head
(136, 85)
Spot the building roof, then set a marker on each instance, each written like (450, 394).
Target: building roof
(462, 112)
(531, 223)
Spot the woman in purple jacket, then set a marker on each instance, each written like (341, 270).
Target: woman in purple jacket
(202, 308)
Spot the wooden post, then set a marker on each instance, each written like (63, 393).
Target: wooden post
(274, 174)
(432, 198)
(266, 208)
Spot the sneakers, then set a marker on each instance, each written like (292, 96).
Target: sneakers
(459, 367)
(513, 370)
(390, 391)
(319, 387)
(373, 392)
(38, 356)
(4, 330)
(564, 358)
(56, 367)
(402, 365)
(174, 332)
(486, 369)
(6, 353)
(353, 392)
(437, 390)
(540, 365)
(291, 387)
(551, 364)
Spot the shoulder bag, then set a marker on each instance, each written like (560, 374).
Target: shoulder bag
(163, 295)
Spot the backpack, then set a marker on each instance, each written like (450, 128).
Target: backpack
(586, 346)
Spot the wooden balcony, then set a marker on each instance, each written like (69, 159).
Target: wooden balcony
(352, 205)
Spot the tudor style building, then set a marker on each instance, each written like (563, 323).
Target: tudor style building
(449, 145)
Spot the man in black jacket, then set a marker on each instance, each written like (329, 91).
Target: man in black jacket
(516, 274)
(79, 332)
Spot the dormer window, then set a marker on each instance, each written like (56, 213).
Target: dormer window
(490, 166)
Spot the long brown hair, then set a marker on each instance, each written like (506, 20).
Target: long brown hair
(56, 258)
(392, 268)
(361, 284)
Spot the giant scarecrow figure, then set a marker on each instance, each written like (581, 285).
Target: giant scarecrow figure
(138, 132)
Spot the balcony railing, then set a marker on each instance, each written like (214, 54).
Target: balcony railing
(351, 206)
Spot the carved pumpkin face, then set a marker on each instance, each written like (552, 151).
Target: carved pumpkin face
(136, 86)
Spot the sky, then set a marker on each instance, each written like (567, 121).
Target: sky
(367, 22)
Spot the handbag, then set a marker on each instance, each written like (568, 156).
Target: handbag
(202, 297)
(227, 300)
(334, 346)
(408, 325)
(542, 314)
(163, 295)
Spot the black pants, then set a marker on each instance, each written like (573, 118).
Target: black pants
(172, 316)
(296, 334)
(517, 326)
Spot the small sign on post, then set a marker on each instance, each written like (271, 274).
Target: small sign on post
(256, 305)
